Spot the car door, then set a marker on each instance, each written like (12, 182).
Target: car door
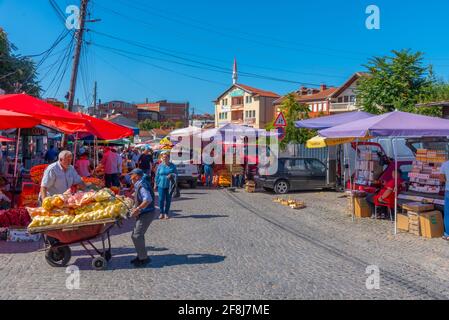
(316, 173)
(297, 173)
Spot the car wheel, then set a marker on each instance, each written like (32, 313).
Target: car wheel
(281, 187)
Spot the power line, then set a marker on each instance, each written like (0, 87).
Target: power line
(212, 29)
(207, 65)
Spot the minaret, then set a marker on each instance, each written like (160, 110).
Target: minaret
(234, 72)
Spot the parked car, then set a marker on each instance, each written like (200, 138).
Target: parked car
(295, 174)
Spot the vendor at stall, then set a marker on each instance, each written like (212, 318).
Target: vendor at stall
(60, 177)
(385, 197)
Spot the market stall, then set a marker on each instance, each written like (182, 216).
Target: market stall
(394, 124)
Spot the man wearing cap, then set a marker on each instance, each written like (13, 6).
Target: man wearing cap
(145, 161)
(144, 212)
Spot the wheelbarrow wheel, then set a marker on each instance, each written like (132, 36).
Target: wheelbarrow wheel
(58, 256)
(99, 263)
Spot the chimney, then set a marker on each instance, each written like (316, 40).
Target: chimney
(146, 100)
(323, 87)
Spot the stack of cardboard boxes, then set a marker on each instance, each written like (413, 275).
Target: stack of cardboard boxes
(250, 186)
(424, 176)
(421, 219)
(368, 167)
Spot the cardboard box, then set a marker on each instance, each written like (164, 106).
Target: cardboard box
(22, 235)
(431, 224)
(402, 222)
(418, 207)
(361, 208)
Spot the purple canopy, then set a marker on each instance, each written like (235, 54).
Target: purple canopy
(333, 120)
(396, 123)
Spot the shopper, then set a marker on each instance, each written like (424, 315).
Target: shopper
(60, 176)
(209, 173)
(51, 155)
(82, 166)
(144, 212)
(145, 161)
(111, 165)
(166, 177)
(445, 178)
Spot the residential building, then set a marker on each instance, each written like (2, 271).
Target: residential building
(245, 105)
(327, 100)
(123, 121)
(168, 111)
(110, 108)
(143, 114)
(344, 99)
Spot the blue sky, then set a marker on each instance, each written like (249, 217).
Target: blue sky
(299, 42)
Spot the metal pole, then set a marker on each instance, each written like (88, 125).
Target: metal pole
(76, 59)
(74, 148)
(355, 173)
(395, 186)
(17, 157)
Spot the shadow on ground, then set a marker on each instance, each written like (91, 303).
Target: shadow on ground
(158, 261)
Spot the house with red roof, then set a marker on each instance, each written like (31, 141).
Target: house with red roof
(245, 105)
(327, 100)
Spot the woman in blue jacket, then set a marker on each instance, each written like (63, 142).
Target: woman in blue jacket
(166, 176)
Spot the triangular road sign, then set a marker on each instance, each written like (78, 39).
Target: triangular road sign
(280, 120)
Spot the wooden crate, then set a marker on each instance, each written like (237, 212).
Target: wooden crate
(414, 223)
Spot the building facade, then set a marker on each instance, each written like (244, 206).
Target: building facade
(327, 100)
(126, 109)
(168, 111)
(245, 105)
(143, 115)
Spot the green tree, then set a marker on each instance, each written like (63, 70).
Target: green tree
(293, 111)
(148, 124)
(17, 73)
(394, 82)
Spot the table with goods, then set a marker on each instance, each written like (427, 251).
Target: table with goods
(79, 218)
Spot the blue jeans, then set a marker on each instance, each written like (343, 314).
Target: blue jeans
(209, 176)
(446, 213)
(164, 200)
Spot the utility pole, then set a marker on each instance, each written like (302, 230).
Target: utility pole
(95, 97)
(76, 59)
(193, 113)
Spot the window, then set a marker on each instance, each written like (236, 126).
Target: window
(346, 98)
(246, 114)
(310, 107)
(163, 109)
(352, 98)
(316, 166)
(295, 164)
(325, 106)
(237, 101)
(320, 107)
(340, 99)
(315, 107)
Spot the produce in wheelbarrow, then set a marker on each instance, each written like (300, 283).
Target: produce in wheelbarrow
(92, 206)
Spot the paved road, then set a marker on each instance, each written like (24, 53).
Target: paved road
(222, 245)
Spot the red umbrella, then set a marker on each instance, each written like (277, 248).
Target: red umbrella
(11, 119)
(36, 108)
(102, 129)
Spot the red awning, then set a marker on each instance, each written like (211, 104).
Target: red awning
(102, 129)
(11, 119)
(5, 139)
(36, 108)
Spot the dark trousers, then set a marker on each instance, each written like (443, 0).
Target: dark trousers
(143, 221)
(237, 181)
(112, 180)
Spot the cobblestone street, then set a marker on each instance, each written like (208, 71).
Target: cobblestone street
(222, 245)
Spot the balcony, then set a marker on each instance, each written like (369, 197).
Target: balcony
(342, 107)
(237, 106)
